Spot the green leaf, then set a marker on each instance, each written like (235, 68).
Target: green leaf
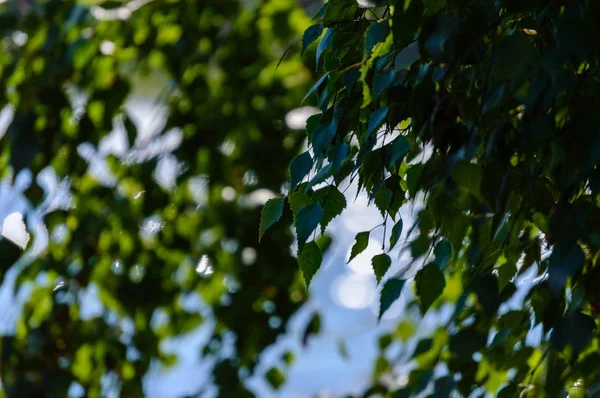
(310, 258)
(321, 12)
(397, 150)
(383, 199)
(324, 173)
(438, 42)
(338, 155)
(271, 213)
(513, 56)
(376, 33)
(311, 34)
(298, 199)
(325, 43)
(321, 138)
(307, 220)
(275, 377)
(466, 343)
(376, 120)
(468, 176)
(389, 294)
(318, 84)
(360, 244)
(575, 330)
(430, 283)
(381, 82)
(381, 263)
(396, 232)
(443, 253)
(300, 167)
(563, 264)
(333, 203)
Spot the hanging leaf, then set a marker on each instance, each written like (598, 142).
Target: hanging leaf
(430, 283)
(396, 232)
(309, 259)
(299, 168)
(321, 176)
(307, 220)
(361, 243)
(318, 84)
(376, 120)
(381, 263)
(396, 150)
(389, 294)
(322, 136)
(338, 155)
(563, 264)
(442, 253)
(271, 213)
(383, 199)
(333, 203)
(311, 34)
(325, 43)
(376, 33)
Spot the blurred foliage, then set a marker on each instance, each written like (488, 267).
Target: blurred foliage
(484, 112)
(226, 101)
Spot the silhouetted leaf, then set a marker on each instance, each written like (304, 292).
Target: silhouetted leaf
(307, 220)
(430, 283)
(381, 263)
(392, 288)
(309, 259)
(360, 244)
(271, 213)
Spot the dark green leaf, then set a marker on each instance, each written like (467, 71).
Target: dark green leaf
(383, 199)
(563, 264)
(398, 149)
(430, 283)
(396, 232)
(271, 213)
(389, 294)
(575, 330)
(299, 199)
(333, 203)
(439, 41)
(311, 34)
(338, 155)
(513, 56)
(307, 220)
(299, 168)
(466, 343)
(322, 136)
(361, 243)
(376, 33)
(318, 84)
(310, 258)
(323, 174)
(381, 263)
(443, 253)
(422, 347)
(376, 120)
(324, 44)
(468, 176)
(381, 82)
(275, 377)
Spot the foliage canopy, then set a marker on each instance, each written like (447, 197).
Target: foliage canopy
(484, 112)
(66, 70)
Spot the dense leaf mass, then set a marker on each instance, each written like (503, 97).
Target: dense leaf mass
(144, 251)
(486, 113)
